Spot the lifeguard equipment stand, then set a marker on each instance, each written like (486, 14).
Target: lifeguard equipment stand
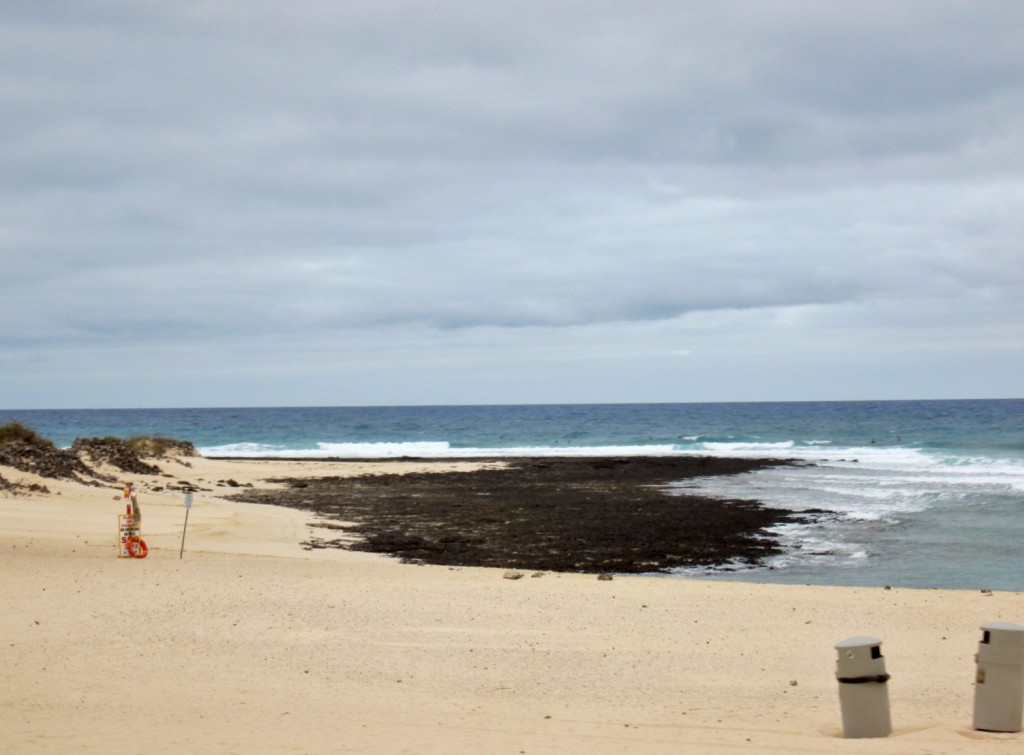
(129, 539)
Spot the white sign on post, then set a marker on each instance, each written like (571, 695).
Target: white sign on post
(188, 500)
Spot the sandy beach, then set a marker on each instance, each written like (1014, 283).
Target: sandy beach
(252, 643)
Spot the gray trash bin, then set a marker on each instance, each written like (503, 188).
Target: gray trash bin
(999, 678)
(863, 688)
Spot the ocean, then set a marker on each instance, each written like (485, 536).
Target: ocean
(924, 493)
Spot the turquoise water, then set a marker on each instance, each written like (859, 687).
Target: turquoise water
(925, 493)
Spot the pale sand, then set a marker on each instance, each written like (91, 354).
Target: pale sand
(252, 644)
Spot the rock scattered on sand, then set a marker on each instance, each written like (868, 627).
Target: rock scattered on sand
(513, 575)
(234, 484)
(18, 487)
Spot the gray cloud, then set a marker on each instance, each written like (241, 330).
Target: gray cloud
(240, 181)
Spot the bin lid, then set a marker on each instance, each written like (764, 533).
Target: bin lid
(1002, 626)
(859, 642)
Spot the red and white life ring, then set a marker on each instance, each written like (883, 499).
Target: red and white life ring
(136, 547)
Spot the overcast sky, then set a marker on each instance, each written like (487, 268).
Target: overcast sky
(245, 202)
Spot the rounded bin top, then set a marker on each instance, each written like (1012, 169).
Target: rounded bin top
(1002, 626)
(860, 659)
(1002, 643)
(857, 642)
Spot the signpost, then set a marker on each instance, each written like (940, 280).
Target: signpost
(129, 525)
(127, 529)
(188, 508)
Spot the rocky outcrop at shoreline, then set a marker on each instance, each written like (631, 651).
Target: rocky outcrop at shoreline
(591, 515)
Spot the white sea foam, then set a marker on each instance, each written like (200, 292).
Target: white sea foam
(873, 491)
(746, 448)
(243, 450)
(425, 449)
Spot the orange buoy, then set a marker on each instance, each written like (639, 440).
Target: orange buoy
(136, 547)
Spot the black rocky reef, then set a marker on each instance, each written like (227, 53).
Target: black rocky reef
(581, 515)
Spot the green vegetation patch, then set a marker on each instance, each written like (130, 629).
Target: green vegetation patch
(14, 432)
(156, 446)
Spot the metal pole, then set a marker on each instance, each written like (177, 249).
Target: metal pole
(183, 534)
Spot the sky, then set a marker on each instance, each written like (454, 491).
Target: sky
(256, 203)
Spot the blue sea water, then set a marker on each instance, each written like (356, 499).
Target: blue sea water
(925, 493)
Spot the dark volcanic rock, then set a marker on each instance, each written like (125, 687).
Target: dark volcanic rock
(115, 452)
(17, 487)
(75, 463)
(45, 461)
(34, 487)
(584, 515)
